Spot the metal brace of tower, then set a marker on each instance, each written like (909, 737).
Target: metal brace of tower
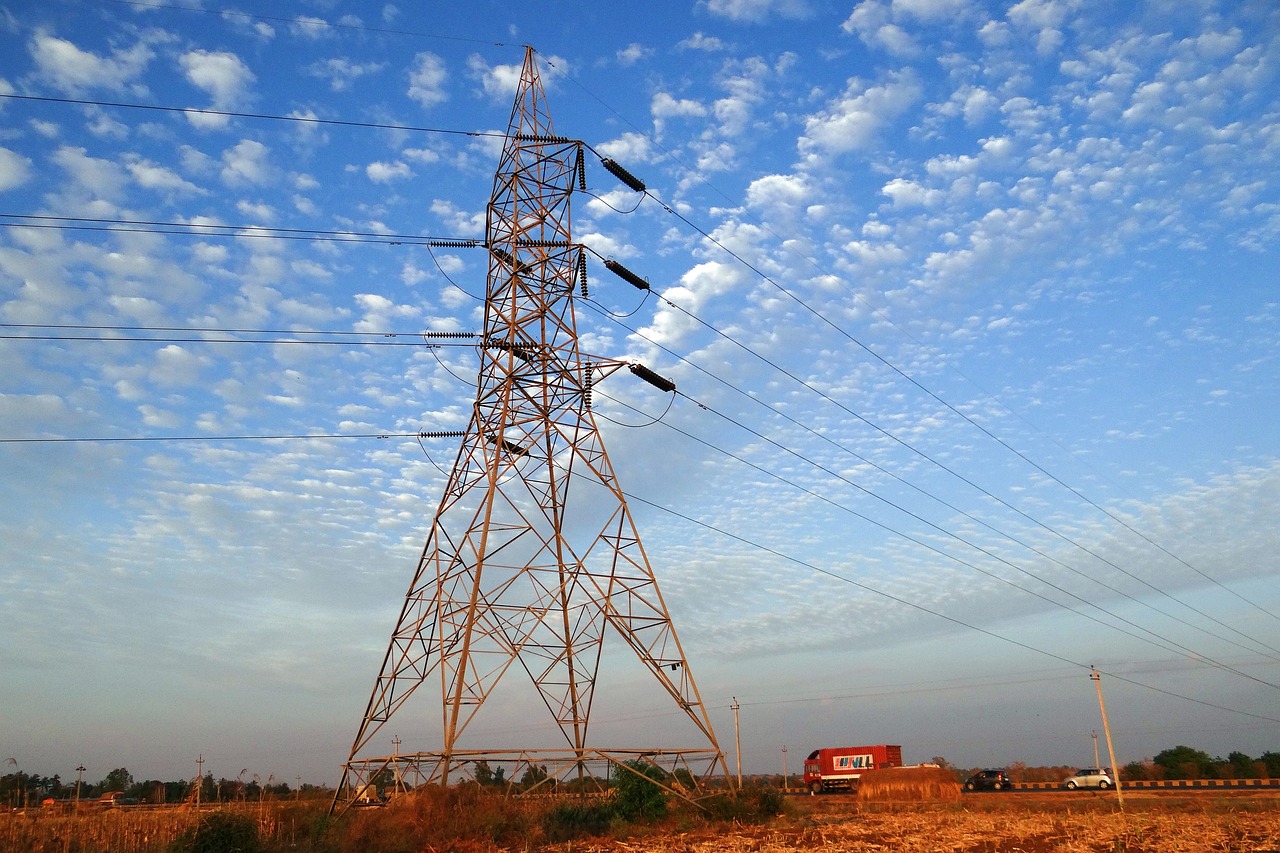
(533, 557)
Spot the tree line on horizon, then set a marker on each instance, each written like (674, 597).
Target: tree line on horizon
(19, 789)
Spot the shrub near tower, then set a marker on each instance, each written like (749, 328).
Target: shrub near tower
(840, 767)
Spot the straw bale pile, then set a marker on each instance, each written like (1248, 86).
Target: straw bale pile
(890, 784)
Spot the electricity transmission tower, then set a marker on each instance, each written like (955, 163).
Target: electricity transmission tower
(533, 557)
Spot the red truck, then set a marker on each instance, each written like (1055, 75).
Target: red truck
(841, 766)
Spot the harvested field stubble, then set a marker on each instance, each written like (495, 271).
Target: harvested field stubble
(983, 823)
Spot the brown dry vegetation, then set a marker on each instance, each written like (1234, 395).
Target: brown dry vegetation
(475, 822)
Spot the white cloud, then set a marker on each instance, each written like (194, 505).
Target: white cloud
(427, 79)
(773, 192)
(221, 75)
(500, 81)
(15, 169)
(633, 53)
(175, 367)
(758, 11)
(699, 41)
(383, 173)
(853, 120)
(342, 73)
(77, 71)
(309, 27)
(664, 106)
(873, 21)
(246, 163)
(102, 178)
(630, 147)
(156, 177)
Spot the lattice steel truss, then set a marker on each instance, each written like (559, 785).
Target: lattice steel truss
(533, 557)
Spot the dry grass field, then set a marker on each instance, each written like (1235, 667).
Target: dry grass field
(985, 823)
(1048, 822)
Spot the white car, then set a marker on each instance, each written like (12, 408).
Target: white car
(1089, 777)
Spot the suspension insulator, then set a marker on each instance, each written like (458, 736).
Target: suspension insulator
(582, 169)
(659, 382)
(623, 175)
(509, 446)
(588, 385)
(501, 254)
(582, 272)
(625, 274)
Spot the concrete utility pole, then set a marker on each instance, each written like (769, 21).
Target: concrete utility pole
(737, 740)
(199, 778)
(1097, 762)
(79, 780)
(1106, 729)
(785, 784)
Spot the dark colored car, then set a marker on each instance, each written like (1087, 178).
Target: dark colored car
(989, 780)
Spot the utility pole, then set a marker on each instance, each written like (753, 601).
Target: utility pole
(785, 784)
(737, 740)
(79, 780)
(199, 778)
(1097, 762)
(1106, 729)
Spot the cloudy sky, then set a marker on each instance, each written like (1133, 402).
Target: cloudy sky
(973, 311)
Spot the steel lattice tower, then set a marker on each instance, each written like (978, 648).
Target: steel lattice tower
(533, 557)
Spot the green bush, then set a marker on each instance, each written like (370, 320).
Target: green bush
(220, 832)
(636, 792)
(752, 804)
(568, 822)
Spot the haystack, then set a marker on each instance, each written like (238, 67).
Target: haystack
(908, 783)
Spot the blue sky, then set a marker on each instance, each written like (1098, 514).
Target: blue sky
(972, 309)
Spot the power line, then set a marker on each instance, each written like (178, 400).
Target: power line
(827, 321)
(142, 226)
(313, 120)
(1164, 643)
(930, 611)
(208, 438)
(950, 471)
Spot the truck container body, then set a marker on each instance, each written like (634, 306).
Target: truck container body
(840, 767)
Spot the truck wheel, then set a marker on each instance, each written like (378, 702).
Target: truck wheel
(815, 788)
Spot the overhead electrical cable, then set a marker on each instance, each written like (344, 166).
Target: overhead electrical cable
(314, 120)
(877, 312)
(639, 187)
(211, 230)
(930, 611)
(183, 438)
(946, 468)
(1160, 641)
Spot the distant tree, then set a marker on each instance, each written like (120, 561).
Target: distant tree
(1136, 771)
(533, 776)
(1183, 762)
(119, 779)
(1017, 771)
(1271, 761)
(482, 773)
(1242, 766)
(208, 789)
